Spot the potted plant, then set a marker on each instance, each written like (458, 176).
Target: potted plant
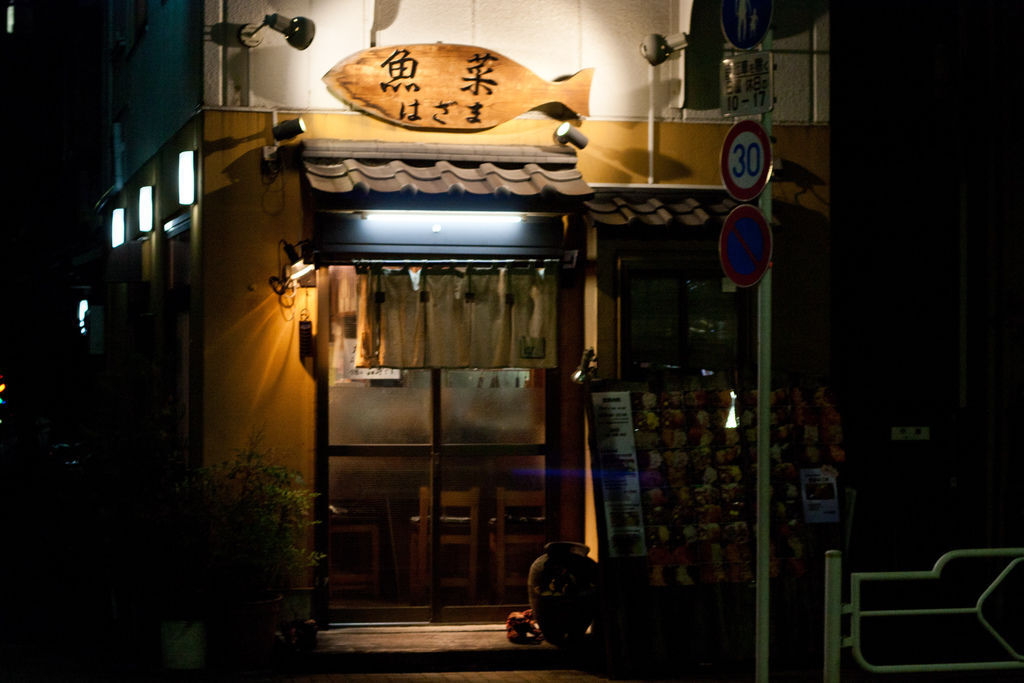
(259, 516)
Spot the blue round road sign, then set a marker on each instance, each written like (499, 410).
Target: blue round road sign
(745, 22)
(745, 245)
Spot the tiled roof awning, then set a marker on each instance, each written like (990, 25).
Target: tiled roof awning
(355, 175)
(661, 211)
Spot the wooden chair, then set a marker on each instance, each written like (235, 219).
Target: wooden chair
(345, 532)
(460, 526)
(519, 523)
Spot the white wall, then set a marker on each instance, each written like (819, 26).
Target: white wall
(553, 38)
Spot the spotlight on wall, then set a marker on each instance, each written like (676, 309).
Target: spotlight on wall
(286, 130)
(567, 133)
(297, 265)
(656, 48)
(270, 162)
(585, 372)
(298, 31)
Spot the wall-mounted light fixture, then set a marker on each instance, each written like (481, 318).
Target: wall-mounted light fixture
(294, 269)
(298, 267)
(288, 129)
(656, 48)
(270, 163)
(117, 227)
(145, 208)
(298, 32)
(187, 177)
(585, 371)
(566, 133)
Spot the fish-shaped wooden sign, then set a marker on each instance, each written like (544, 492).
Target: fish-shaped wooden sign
(445, 86)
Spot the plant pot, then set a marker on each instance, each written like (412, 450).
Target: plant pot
(563, 592)
(183, 644)
(248, 632)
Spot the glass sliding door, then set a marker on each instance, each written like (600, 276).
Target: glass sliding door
(403, 443)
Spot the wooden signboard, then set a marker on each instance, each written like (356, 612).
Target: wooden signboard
(442, 86)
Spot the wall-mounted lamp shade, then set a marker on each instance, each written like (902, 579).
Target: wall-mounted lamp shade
(116, 227)
(186, 178)
(145, 208)
(584, 371)
(289, 129)
(566, 133)
(298, 31)
(292, 253)
(296, 268)
(656, 48)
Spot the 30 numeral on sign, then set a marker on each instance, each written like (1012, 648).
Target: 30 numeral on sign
(746, 160)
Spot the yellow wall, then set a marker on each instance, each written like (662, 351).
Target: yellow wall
(253, 376)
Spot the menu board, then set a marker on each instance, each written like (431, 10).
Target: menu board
(620, 485)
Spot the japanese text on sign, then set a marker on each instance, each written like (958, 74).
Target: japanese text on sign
(620, 484)
(400, 68)
(747, 84)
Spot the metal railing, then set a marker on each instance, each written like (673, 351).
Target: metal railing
(835, 610)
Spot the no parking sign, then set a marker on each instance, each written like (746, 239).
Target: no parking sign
(745, 245)
(746, 160)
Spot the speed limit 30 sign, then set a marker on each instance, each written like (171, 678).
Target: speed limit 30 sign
(746, 160)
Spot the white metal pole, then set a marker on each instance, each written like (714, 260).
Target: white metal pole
(764, 489)
(833, 614)
(764, 388)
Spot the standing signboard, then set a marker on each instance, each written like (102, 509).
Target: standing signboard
(746, 161)
(620, 484)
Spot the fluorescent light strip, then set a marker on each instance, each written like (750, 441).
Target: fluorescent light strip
(83, 311)
(478, 218)
(145, 208)
(300, 269)
(186, 178)
(116, 227)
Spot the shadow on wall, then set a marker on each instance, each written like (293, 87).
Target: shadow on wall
(225, 34)
(787, 171)
(384, 14)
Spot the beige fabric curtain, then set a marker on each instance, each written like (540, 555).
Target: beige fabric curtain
(433, 316)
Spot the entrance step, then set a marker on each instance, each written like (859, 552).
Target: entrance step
(436, 648)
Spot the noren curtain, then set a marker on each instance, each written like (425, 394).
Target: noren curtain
(447, 316)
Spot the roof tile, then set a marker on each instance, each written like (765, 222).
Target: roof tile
(353, 171)
(659, 207)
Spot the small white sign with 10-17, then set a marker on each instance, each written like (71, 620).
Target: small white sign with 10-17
(747, 86)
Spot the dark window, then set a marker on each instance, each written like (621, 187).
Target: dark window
(677, 322)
